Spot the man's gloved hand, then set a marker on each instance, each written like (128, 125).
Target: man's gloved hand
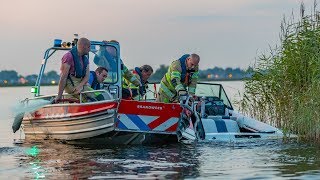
(182, 93)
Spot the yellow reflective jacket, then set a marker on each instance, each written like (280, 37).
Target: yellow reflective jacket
(132, 87)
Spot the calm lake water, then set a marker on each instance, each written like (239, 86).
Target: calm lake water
(234, 160)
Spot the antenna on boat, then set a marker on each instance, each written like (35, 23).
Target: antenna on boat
(75, 40)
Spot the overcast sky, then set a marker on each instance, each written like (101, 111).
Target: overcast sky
(225, 33)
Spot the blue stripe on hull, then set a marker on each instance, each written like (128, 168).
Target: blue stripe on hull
(138, 122)
(121, 125)
(221, 126)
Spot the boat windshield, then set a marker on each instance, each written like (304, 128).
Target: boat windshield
(213, 90)
(107, 56)
(203, 89)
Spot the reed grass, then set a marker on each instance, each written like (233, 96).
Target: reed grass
(285, 87)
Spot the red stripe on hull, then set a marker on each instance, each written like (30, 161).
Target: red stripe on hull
(173, 128)
(159, 121)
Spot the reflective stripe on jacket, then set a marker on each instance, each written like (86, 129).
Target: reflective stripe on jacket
(130, 88)
(129, 77)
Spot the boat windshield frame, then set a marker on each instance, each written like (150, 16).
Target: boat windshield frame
(220, 93)
(52, 50)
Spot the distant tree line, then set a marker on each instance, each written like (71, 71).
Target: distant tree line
(11, 77)
(211, 74)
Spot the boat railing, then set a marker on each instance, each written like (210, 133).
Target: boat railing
(103, 91)
(93, 91)
(48, 96)
(70, 96)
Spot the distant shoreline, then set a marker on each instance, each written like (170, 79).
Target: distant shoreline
(24, 85)
(30, 85)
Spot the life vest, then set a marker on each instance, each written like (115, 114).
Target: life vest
(95, 84)
(185, 74)
(142, 88)
(80, 71)
(138, 71)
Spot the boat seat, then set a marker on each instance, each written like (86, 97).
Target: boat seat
(216, 124)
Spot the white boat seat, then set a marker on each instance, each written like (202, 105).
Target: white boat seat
(216, 124)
